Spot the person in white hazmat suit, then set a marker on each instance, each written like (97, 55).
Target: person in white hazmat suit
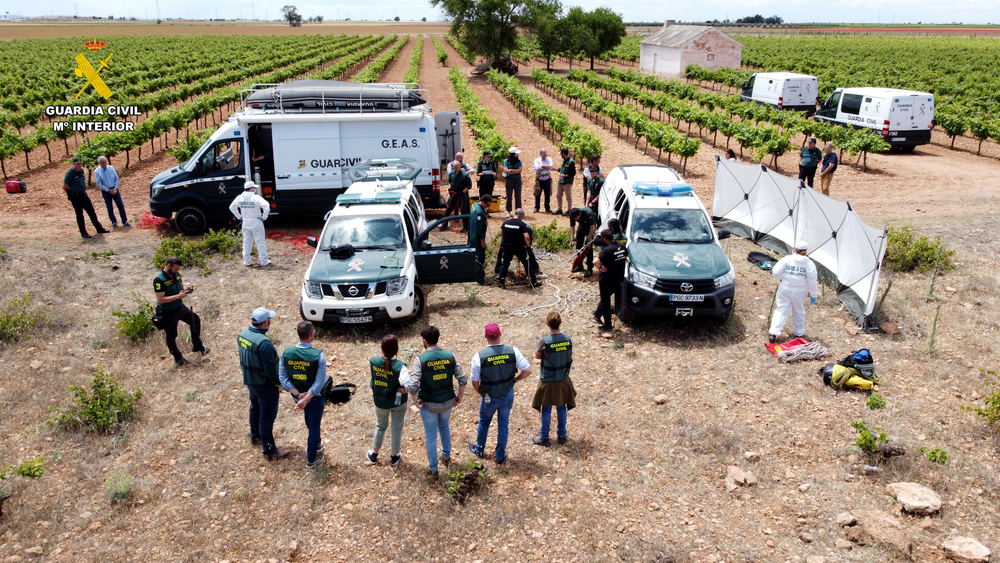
(797, 276)
(252, 210)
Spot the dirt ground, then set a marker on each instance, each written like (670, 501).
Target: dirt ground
(69, 28)
(637, 481)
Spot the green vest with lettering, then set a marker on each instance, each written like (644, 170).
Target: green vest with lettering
(249, 342)
(497, 369)
(385, 382)
(437, 371)
(557, 358)
(301, 364)
(170, 286)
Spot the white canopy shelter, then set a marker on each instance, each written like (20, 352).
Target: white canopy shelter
(774, 211)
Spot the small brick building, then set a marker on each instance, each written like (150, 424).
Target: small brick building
(668, 51)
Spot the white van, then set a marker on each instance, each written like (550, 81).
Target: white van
(903, 117)
(298, 140)
(782, 90)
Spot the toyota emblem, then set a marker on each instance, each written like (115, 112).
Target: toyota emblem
(686, 287)
(354, 291)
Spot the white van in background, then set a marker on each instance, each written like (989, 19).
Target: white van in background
(782, 90)
(903, 117)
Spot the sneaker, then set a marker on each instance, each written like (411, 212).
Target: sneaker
(508, 214)
(254, 440)
(559, 211)
(476, 451)
(114, 225)
(577, 270)
(446, 460)
(541, 276)
(371, 457)
(588, 273)
(276, 455)
(566, 214)
(102, 231)
(561, 440)
(394, 459)
(316, 462)
(536, 210)
(433, 474)
(501, 284)
(772, 339)
(204, 350)
(180, 361)
(268, 265)
(539, 441)
(248, 265)
(598, 320)
(319, 450)
(501, 461)
(484, 282)
(605, 328)
(126, 224)
(536, 283)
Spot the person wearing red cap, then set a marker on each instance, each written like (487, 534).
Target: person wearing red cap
(495, 369)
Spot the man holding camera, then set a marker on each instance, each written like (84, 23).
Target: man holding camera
(170, 292)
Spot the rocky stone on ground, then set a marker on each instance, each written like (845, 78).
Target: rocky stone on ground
(843, 544)
(845, 519)
(660, 399)
(883, 528)
(915, 498)
(965, 550)
(752, 456)
(736, 477)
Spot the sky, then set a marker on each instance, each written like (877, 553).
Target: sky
(849, 11)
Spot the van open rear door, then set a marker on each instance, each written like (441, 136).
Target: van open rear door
(307, 166)
(449, 135)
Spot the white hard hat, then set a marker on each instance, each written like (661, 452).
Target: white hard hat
(514, 150)
(801, 245)
(249, 185)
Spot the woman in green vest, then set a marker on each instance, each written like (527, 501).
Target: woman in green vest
(390, 378)
(555, 388)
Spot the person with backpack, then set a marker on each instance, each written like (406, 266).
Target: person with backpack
(555, 388)
(432, 386)
(302, 372)
(796, 274)
(495, 370)
(390, 378)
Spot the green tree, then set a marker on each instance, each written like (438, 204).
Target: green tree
(548, 20)
(291, 13)
(490, 27)
(605, 28)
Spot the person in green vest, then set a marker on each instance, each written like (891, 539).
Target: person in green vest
(75, 186)
(390, 378)
(567, 174)
(432, 384)
(477, 238)
(302, 373)
(259, 362)
(170, 291)
(555, 388)
(495, 369)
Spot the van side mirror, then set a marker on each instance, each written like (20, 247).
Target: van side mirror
(425, 244)
(311, 241)
(724, 234)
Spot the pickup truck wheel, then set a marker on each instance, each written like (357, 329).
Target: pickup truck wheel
(191, 220)
(418, 302)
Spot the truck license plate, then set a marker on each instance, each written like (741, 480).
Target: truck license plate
(685, 312)
(898, 139)
(686, 298)
(355, 320)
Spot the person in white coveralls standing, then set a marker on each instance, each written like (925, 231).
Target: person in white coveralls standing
(797, 276)
(252, 210)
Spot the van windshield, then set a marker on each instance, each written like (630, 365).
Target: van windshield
(689, 226)
(366, 232)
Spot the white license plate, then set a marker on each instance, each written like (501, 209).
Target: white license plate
(686, 298)
(355, 320)
(899, 139)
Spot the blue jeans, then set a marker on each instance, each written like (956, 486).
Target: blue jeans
(434, 424)
(499, 406)
(314, 416)
(263, 411)
(547, 420)
(116, 199)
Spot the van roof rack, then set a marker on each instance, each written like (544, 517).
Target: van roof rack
(330, 96)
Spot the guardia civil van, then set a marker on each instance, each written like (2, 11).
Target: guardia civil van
(675, 265)
(904, 118)
(782, 90)
(297, 141)
(376, 252)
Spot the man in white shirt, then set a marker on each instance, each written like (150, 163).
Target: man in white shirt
(460, 158)
(107, 180)
(797, 276)
(495, 369)
(252, 210)
(543, 173)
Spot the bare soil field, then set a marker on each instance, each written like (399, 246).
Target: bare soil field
(637, 481)
(69, 28)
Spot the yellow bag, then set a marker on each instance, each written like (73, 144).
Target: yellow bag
(859, 383)
(838, 377)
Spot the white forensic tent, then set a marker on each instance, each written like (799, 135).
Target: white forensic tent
(774, 211)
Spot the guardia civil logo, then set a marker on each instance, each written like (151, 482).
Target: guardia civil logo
(85, 69)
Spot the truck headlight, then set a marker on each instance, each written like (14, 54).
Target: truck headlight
(639, 278)
(395, 286)
(314, 289)
(725, 280)
(157, 190)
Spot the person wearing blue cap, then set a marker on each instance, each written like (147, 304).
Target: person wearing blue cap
(259, 362)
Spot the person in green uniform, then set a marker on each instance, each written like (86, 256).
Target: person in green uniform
(811, 157)
(459, 184)
(75, 186)
(302, 373)
(495, 370)
(567, 174)
(259, 362)
(390, 378)
(555, 388)
(432, 384)
(486, 173)
(586, 223)
(170, 291)
(477, 238)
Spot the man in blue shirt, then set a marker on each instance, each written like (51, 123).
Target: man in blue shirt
(810, 159)
(106, 179)
(302, 371)
(829, 167)
(75, 186)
